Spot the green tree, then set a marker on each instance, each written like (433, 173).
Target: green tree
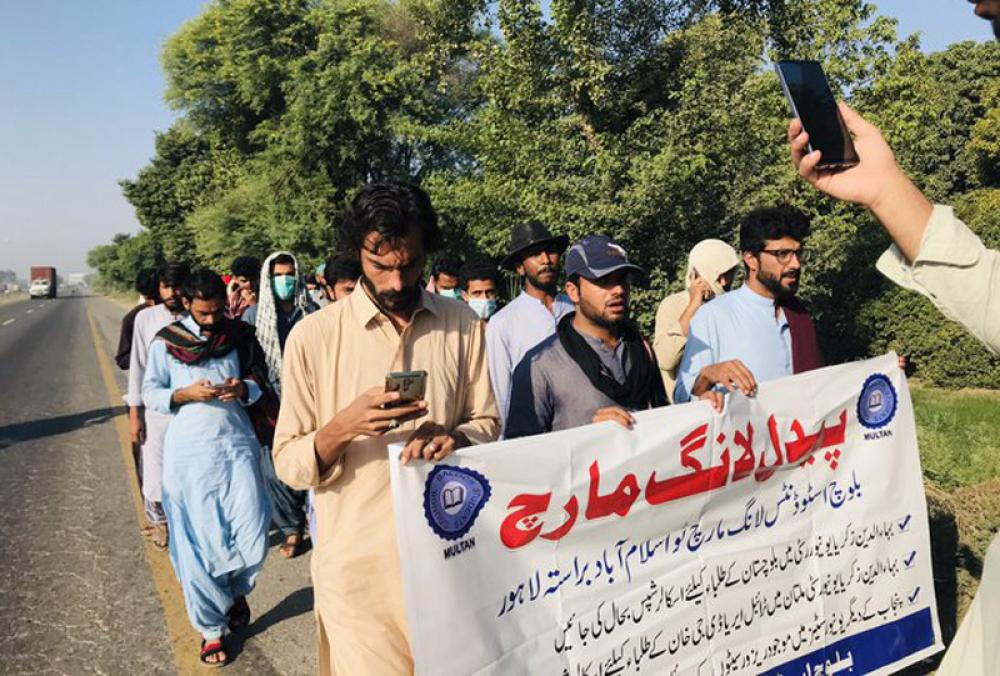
(658, 122)
(118, 263)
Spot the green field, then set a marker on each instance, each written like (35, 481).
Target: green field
(959, 437)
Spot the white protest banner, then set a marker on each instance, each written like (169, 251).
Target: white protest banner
(788, 535)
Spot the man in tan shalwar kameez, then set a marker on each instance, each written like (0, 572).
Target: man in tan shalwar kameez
(333, 431)
(710, 272)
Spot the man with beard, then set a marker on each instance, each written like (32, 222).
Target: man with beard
(337, 421)
(597, 366)
(531, 317)
(148, 428)
(199, 375)
(759, 332)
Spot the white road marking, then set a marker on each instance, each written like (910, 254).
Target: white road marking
(29, 311)
(9, 321)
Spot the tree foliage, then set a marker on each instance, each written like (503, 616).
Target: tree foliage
(656, 121)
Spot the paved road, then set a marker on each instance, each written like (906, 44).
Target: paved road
(80, 591)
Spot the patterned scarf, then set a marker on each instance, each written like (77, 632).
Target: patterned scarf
(267, 316)
(233, 334)
(189, 348)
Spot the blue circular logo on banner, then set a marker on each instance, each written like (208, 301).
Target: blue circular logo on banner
(453, 498)
(877, 403)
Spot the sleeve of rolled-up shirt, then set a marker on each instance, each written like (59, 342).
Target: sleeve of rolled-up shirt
(479, 420)
(498, 356)
(956, 272)
(253, 393)
(136, 367)
(294, 450)
(156, 387)
(122, 355)
(531, 410)
(668, 337)
(697, 355)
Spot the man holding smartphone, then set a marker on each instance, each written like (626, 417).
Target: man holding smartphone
(213, 494)
(937, 255)
(337, 420)
(933, 252)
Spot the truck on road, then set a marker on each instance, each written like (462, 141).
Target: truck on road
(42, 282)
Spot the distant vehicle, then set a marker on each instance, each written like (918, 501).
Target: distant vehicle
(43, 282)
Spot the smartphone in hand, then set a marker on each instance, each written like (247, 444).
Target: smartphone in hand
(811, 100)
(411, 385)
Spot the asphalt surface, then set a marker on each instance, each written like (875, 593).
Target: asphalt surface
(81, 592)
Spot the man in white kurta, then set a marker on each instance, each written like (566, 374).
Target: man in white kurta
(149, 427)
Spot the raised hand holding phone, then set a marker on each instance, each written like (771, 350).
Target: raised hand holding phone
(813, 104)
(876, 182)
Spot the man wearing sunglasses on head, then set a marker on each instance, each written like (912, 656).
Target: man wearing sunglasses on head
(761, 331)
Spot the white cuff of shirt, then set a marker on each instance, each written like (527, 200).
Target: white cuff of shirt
(253, 392)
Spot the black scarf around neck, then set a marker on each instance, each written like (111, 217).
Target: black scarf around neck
(643, 386)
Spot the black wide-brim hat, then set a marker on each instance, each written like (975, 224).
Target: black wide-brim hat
(523, 236)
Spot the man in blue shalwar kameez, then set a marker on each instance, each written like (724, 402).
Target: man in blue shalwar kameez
(213, 492)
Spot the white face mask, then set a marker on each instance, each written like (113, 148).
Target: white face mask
(484, 307)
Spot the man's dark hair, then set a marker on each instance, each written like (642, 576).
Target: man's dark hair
(769, 223)
(172, 274)
(280, 259)
(246, 266)
(391, 210)
(311, 279)
(341, 267)
(479, 269)
(147, 283)
(448, 266)
(204, 284)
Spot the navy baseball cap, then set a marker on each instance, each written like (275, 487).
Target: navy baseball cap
(595, 256)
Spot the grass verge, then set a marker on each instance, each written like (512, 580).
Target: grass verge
(959, 436)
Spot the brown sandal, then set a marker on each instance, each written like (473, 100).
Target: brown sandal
(162, 539)
(293, 544)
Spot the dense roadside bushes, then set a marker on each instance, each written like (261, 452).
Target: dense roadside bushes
(649, 120)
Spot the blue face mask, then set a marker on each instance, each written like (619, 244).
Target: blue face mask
(284, 286)
(483, 307)
(450, 293)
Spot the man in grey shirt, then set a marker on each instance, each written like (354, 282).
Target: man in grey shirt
(596, 366)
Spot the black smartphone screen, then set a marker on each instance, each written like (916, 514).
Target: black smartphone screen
(813, 103)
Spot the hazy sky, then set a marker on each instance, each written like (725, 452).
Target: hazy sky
(81, 93)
